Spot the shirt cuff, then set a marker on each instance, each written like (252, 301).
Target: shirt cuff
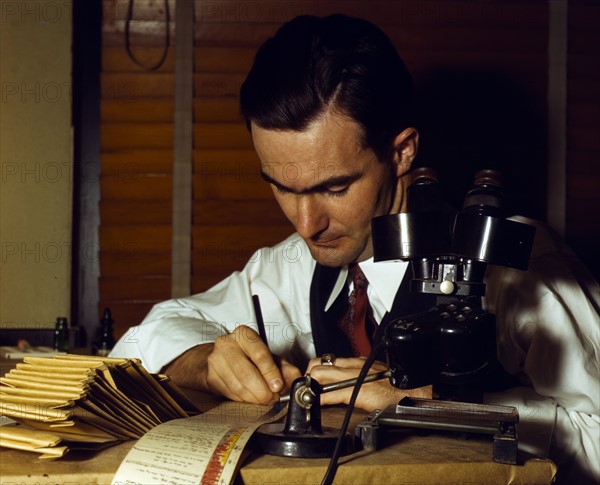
(156, 344)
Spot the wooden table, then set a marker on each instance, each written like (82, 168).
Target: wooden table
(412, 459)
(408, 456)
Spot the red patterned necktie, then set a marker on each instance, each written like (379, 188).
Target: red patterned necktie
(354, 323)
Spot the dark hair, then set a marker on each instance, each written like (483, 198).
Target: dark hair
(341, 62)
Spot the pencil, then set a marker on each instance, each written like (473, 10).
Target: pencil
(259, 320)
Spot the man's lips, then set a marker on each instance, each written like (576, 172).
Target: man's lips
(329, 243)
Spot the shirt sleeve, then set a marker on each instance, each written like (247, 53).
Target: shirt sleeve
(279, 275)
(548, 329)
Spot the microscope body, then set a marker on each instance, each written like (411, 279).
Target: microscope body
(453, 345)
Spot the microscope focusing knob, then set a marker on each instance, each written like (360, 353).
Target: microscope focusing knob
(447, 287)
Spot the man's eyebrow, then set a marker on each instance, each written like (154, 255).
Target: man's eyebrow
(325, 185)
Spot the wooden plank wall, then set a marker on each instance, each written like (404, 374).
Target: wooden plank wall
(233, 209)
(136, 163)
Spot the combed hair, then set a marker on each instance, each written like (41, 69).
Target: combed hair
(337, 62)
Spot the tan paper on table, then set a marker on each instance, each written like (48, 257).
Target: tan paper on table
(205, 449)
(84, 402)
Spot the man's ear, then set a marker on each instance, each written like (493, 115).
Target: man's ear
(406, 145)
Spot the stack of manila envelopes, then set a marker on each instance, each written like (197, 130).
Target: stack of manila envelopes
(71, 401)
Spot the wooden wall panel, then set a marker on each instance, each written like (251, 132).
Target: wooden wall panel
(116, 59)
(257, 212)
(155, 110)
(134, 289)
(145, 212)
(136, 163)
(124, 260)
(137, 187)
(125, 136)
(452, 47)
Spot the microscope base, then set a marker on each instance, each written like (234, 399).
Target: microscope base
(499, 421)
(271, 439)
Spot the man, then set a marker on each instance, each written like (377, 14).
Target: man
(328, 104)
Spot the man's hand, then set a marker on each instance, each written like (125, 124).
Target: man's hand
(237, 366)
(374, 395)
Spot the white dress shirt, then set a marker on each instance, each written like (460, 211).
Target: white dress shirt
(548, 329)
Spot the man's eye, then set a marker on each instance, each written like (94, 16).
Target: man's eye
(337, 191)
(281, 190)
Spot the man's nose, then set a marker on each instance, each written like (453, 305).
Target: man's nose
(311, 216)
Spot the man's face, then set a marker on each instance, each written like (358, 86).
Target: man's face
(328, 185)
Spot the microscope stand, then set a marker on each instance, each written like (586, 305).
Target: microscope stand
(499, 421)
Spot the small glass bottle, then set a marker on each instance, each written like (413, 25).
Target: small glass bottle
(105, 341)
(61, 335)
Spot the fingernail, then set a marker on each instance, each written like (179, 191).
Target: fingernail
(276, 385)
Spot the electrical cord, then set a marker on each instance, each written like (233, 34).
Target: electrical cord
(165, 52)
(333, 462)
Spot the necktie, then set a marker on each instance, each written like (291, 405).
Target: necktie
(356, 323)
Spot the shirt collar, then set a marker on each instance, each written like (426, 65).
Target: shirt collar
(384, 278)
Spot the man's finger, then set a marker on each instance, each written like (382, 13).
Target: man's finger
(347, 363)
(290, 373)
(327, 374)
(259, 354)
(243, 381)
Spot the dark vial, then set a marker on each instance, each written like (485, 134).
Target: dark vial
(61, 335)
(105, 340)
